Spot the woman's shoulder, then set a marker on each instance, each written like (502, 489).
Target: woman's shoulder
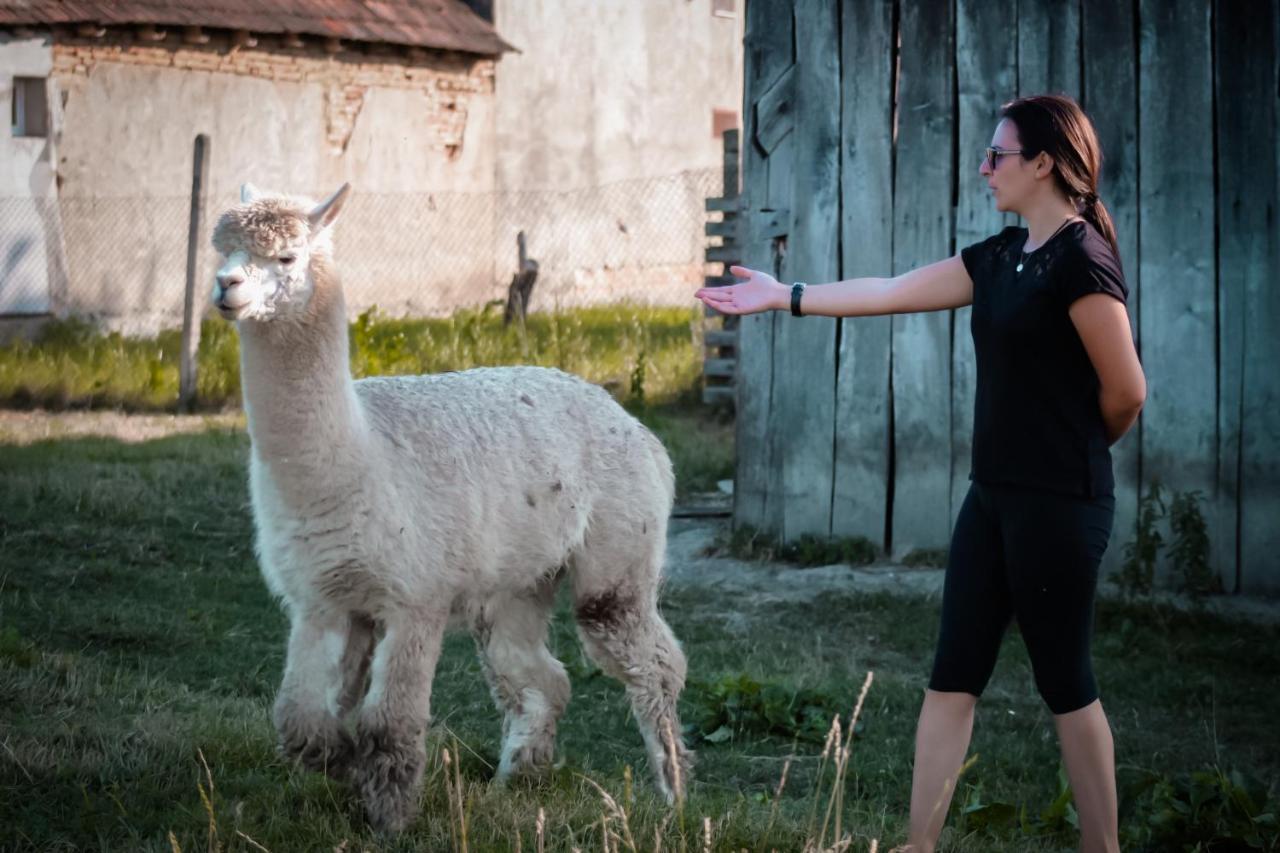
(1089, 262)
(1085, 245)
(1009, 240)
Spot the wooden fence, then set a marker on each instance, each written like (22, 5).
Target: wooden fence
(864, 126)
(720, 331)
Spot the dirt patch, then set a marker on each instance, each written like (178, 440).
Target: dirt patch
(688, 564)
(690, 540)
(33, 426)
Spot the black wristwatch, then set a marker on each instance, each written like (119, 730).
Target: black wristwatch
(796, 290)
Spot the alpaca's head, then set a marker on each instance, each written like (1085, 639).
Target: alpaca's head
(267, 243)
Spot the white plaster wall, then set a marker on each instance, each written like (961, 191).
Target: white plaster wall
(610, 103)
(126, 163)
(29, 227)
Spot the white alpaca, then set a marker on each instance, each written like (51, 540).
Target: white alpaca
(387, 505)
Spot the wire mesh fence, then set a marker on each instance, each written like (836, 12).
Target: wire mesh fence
(122, 260)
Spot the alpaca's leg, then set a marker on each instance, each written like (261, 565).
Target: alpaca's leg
(393, 720)
(356, 659)
(528, 684)
(615, 577)
(629, 639)
(304, 714)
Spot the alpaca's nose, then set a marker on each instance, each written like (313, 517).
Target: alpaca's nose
(226, 297)
(228, 280)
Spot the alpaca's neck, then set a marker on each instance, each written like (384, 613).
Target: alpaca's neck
(299, 397)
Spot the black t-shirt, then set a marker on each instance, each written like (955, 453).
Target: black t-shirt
(1036, 419)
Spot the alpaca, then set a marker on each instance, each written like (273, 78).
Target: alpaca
(389, 507)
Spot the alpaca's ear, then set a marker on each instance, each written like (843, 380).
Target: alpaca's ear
(249, 193)
(327, 211)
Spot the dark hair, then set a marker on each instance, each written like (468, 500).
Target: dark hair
(1055, 125)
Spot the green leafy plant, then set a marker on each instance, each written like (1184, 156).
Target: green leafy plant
(738, 705)
(975, 813)
(1137, 572)
(747, 543)
(1207, 809)
(928, 557)
(1190, 548)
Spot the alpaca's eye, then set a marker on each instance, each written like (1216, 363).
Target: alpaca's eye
(287, 259)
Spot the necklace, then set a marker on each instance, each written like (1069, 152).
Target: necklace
(1023, 255)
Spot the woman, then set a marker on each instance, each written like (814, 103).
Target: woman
(1058, 382)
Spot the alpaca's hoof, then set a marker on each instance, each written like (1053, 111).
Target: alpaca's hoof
(388, 776)
(322, 747)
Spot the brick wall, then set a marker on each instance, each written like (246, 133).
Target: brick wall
(447, 79)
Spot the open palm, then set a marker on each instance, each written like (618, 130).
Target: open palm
(760, 292)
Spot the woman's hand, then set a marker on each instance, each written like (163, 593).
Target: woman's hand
(760, 292)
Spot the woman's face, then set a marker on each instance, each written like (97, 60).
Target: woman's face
(1013, 178)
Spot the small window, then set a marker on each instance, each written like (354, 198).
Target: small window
(30, 114)
(722, 120)
(724, 8)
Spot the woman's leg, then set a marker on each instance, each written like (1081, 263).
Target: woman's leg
(1089, 754)
(942, 738)
(976, 609)
(1055, 545)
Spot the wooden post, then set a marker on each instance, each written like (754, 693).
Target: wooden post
(860, 493)
(922, 232)
(195, 237)
(1178, 305)
(521, 289)
(766, 190)
(1110, 91)
(804, 349)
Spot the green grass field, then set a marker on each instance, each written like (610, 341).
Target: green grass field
(644, 354)
(140, 652)
(138, 642)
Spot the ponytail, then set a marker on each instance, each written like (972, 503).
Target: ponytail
(1095, 212)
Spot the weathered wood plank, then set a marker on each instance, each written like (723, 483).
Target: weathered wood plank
(727, 228)
(775, 111)
(986, 72)
(767, 224)
(731, 254)
(1179, 446)
(1248, 498)
(722, 204)
(861, 495)
(805, 347)
(720, 338)
(922, 234)
(1048, 47)
(718, 394)
(730, 174)
(718, 367)
(1110, 92)
(768, 51)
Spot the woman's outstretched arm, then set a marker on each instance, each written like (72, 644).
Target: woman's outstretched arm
(944, 284)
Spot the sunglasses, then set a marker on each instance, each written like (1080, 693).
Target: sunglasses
(994, 154)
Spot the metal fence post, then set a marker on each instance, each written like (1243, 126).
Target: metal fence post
(190, 316)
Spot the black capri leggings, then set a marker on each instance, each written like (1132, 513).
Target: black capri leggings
(1022, 552)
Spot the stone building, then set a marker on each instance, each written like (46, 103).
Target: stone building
(453, 136)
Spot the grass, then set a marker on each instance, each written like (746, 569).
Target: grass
(645, 355)
(140, 651)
